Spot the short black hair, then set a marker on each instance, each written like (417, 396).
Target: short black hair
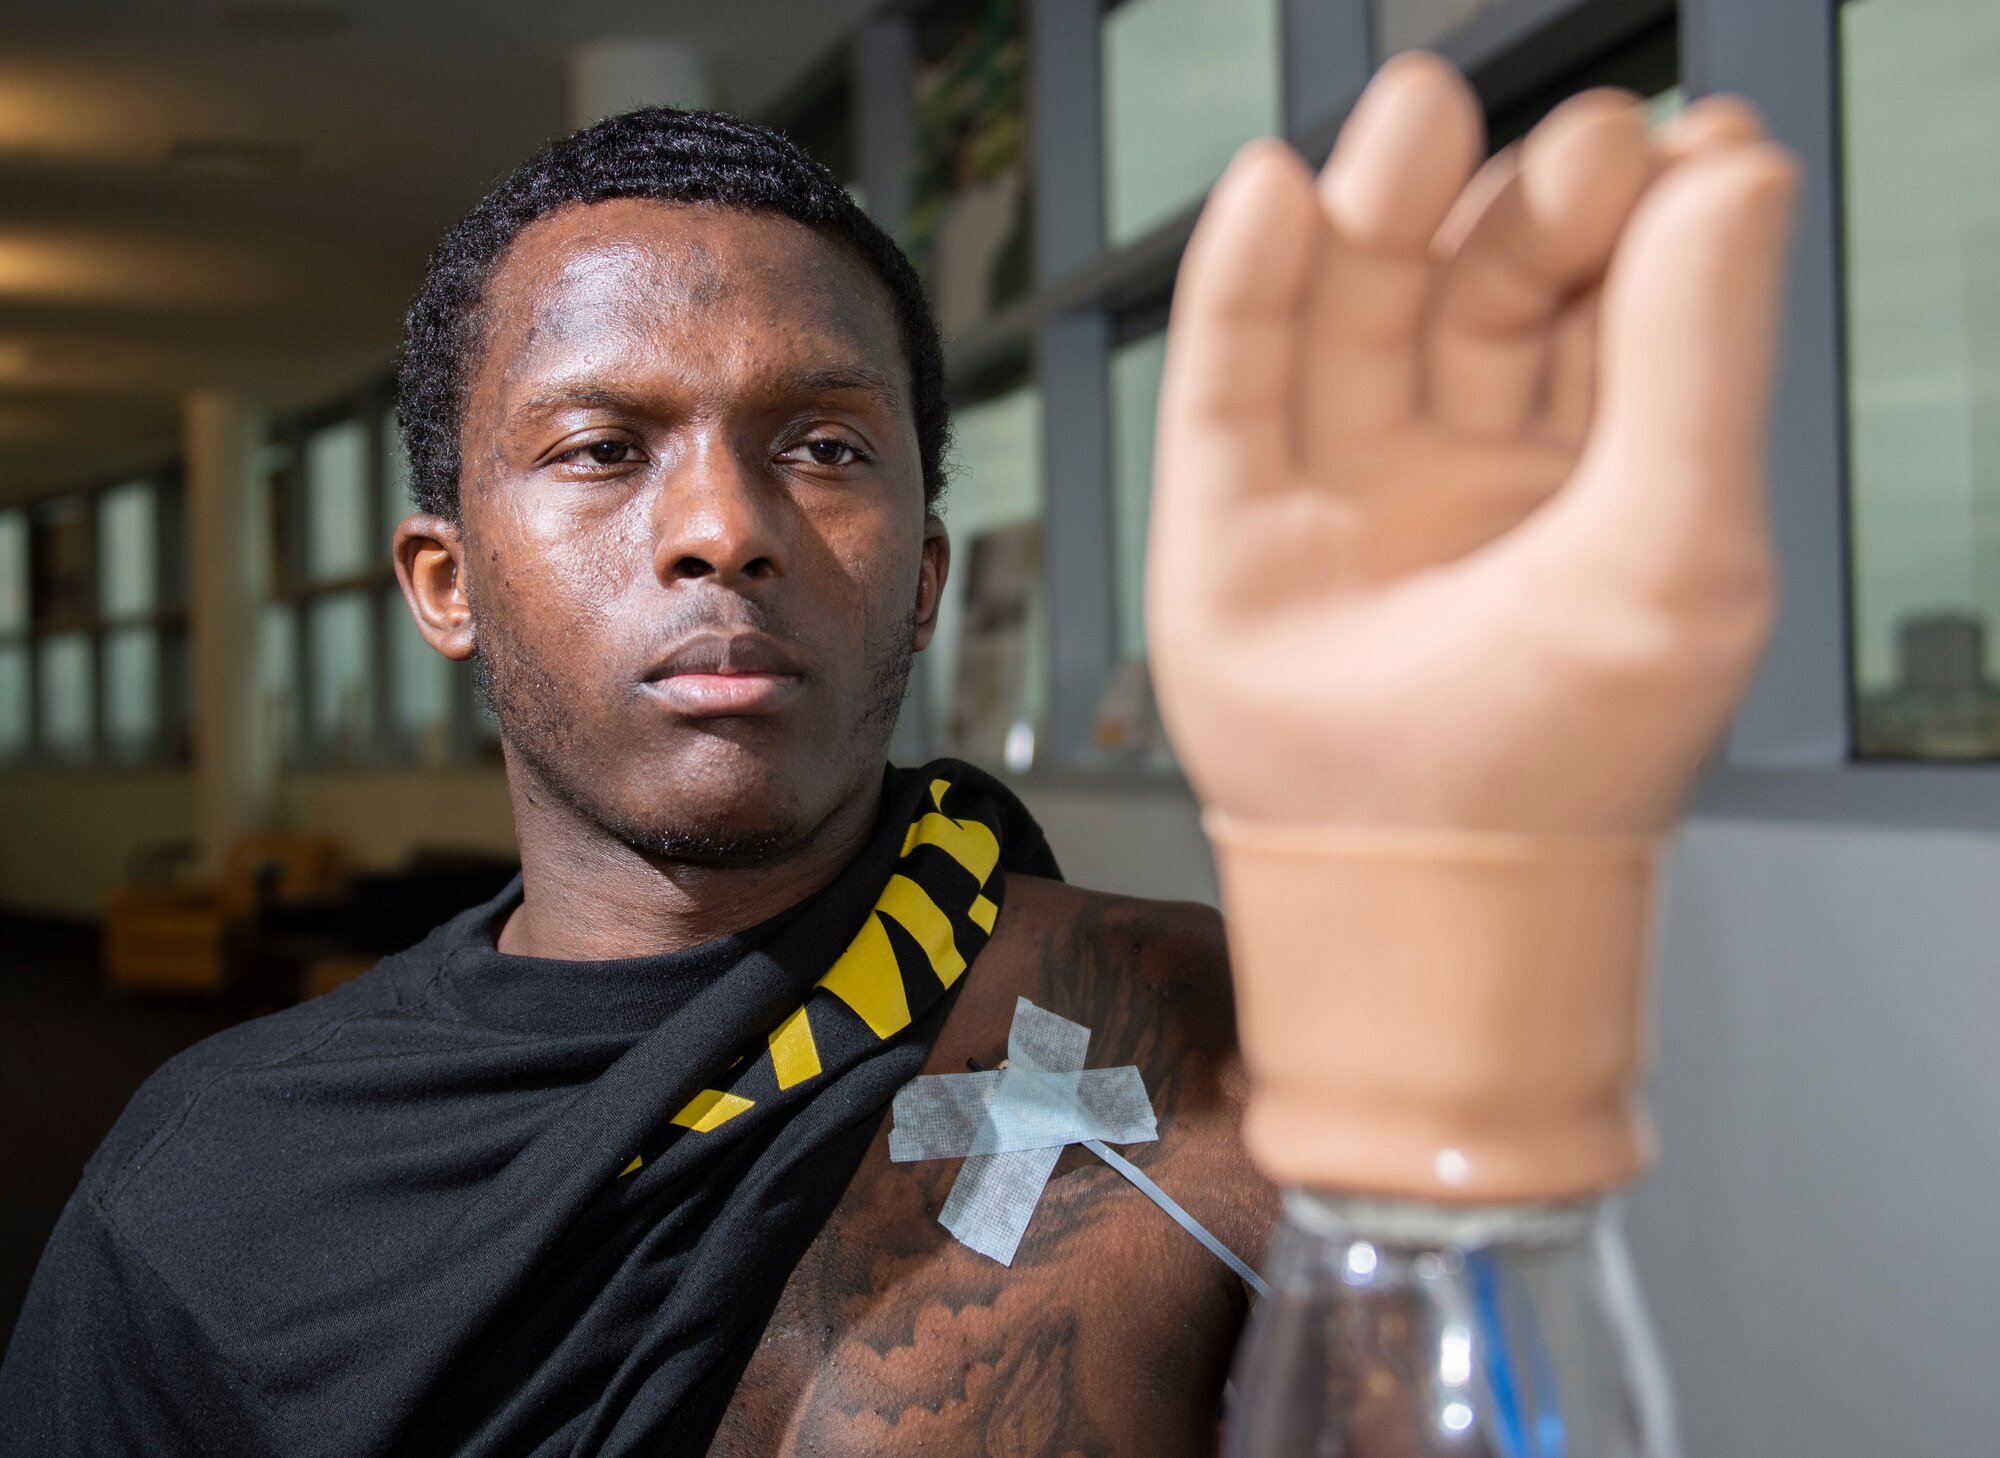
(665, 155)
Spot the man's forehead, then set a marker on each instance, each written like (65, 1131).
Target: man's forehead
(640, 274)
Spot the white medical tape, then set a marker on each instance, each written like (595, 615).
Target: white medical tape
(946, 1116)
(1011, 1124)
(994, 1198)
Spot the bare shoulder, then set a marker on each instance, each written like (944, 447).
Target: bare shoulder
(1112, 1329)
(1150, 979)
(1159, 942)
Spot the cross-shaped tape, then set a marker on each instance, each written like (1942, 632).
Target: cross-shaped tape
(1011, 1126)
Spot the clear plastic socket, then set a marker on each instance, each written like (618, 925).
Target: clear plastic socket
(1411, 1331)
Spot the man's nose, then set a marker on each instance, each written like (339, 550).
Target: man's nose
(718, 518)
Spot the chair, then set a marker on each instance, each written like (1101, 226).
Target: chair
(179, 937)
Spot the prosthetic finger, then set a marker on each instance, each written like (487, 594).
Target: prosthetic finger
(1545, 229)
(1228, 418)
(1672, 490)
(1227, 397)
(1405, 154)
(1711, 124)
(1707, 125)
(1572, 388)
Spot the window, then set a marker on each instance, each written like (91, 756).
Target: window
(1135, 397)
(17, 734)
(985, 670)
(68, 710)
(278, 676)
(345, 676)
(340, 697)
(336, 564)
(16, 725)
(969, 216)
(92, 631)
(1186, 82)
(1921, 141)
(135, 644)
(1127, 725)
(337, 538)
(1173, 88)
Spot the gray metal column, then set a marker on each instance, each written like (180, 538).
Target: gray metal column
(1783, 55)
(1328, 48)
(1074, 358)
(1066, 124)
(885, 63)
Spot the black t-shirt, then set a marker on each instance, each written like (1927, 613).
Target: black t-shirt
(392, 1220)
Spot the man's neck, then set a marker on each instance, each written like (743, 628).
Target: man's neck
(591, 897)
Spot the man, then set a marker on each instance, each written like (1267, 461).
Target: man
(599, 1167)
(544, 1183)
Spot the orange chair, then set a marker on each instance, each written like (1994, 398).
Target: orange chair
(176, 938)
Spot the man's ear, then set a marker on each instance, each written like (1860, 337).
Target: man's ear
(430, 566)
(930, 582)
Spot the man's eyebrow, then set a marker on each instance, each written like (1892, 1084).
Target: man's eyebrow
(570, 397)
(834, 379)
(818, 380)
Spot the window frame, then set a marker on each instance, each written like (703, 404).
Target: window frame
(294, 589)
(1789, 752)
(170, 746)
(922, 733)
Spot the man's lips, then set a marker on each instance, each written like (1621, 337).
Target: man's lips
(718, 695)
(717, 675)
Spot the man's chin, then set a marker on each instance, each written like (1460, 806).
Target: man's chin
(718, 848)
(741, 812)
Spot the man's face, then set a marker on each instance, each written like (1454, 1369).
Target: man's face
(695, 543)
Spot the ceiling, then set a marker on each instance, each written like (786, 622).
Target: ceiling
(198, 194)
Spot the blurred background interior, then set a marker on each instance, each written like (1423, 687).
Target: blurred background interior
(231, 774)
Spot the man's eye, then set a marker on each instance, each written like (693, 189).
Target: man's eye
(828, 450)
(608, 452)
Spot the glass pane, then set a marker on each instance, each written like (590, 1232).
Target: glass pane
(1922, 150)
(340, 698)
(985, 669)
(16, 730)
(1186, 82)
(396, 502)
(131, 692)
(1403, 24)
(337, 501)
(420, 683)
(1135, 398)
(278, 677)
(128, 556)
(969, 213)
(68, 710)
(13, 571)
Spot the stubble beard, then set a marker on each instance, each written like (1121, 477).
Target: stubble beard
(537, 725)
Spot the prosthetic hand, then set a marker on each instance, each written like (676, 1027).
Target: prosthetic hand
(1458, 566)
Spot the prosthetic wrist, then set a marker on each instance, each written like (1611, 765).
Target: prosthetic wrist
(1448, 1016)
